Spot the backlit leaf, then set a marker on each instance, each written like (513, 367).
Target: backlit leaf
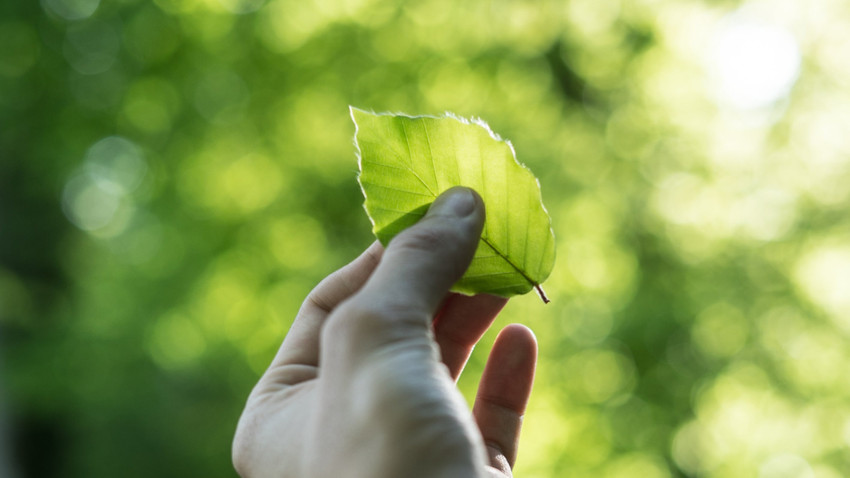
(406, 162)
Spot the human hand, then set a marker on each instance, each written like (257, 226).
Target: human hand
(363, 385)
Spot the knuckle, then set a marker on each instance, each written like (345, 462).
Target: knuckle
(372, 313)
(365, 318)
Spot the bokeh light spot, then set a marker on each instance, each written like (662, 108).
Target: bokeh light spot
(297, 241)
(176, 342)
(720, 330)
(176, 7)
(151, 105)
(600, 374)
(150, 36)
(601, 267)
(227, 180)
(141, 243)
(220, 96)
(785, 466)
(286, 26)
(766, 214)
(587, 322)
(741, 422)
(452, 85)
(226, 300)
(71, 9)
(391, 44)
(96, 199)
(593, 18)
(91, 47)
(118, 161)
(241, 7)
(429, 12)
(636, 465)
(752, 63)
(810, 361)
(691, 448)
(90, 203)
(251, 182)
(823, 274)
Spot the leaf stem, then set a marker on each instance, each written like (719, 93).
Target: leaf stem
(508, 260)
(523, 274)
(542, 294)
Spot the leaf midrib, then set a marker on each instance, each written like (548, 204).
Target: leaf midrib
(484, 238)
(489, 244)
(510, 262)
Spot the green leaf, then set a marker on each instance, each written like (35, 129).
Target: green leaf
(406, 162)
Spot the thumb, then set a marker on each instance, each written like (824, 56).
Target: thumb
(414, 275)
(379, 369)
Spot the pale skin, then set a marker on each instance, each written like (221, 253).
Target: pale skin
(363, 385)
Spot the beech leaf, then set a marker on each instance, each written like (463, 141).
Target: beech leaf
(407, 161)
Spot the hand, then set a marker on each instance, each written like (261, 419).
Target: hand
(363, 386)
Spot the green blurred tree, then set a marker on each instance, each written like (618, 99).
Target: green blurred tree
(176, 175)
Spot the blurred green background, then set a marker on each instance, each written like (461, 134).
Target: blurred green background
(176, 175)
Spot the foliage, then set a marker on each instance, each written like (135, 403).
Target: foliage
(406, 162)
(175, 175)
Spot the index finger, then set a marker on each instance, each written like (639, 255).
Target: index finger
(460, 324)
(301, 344)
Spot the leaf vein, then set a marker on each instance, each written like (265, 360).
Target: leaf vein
(490, 274)
(507, 259)
(410, 161)
(392, 188)
(386, 165)
(431, 153)
(410, 213)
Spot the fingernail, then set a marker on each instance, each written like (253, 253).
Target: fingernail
(457, 201)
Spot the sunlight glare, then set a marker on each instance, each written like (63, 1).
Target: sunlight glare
(753, 64)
